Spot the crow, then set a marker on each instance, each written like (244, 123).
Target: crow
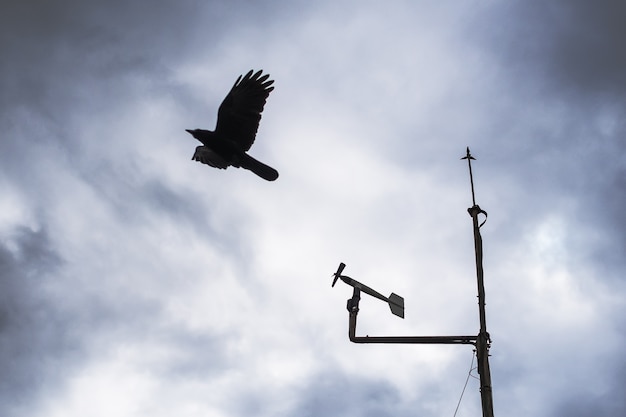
(238, 120)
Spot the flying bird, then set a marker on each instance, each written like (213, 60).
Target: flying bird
(238, 120)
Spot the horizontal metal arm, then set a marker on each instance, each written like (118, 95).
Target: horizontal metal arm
(439, 340)
(353, 308)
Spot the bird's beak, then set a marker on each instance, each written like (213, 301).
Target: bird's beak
(189, 131)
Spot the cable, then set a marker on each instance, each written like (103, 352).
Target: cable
(466, 380)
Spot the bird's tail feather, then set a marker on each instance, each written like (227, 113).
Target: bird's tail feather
(266, 172)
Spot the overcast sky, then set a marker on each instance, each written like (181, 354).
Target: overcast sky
(136, 282)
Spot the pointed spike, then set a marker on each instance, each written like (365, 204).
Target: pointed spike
(468, 155)
(469, 158)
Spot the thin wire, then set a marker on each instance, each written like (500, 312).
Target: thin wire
(466, 380)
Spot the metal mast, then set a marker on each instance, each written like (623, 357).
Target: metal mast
(484, 341)
(396, 304)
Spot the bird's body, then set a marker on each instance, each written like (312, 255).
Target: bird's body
(237, 124)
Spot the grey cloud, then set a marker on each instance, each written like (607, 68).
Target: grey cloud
(36, 337)
(329, 393)
(337, 393)
(548, 137)
(556, 112)
(70, 56)
(559, 136)
(572, 45)
(610, 402)
(46, 337)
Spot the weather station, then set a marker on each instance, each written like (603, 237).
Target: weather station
(482, 341)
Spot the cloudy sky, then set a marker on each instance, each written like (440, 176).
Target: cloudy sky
(134, 281)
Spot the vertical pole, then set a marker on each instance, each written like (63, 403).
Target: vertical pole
(353, 308)
(484, 341)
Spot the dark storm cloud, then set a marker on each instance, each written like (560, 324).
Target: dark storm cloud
(71, 57)
(54, 49)
(46, 337)
(333, 392)
(36, 333)
(609, 403)
(564, 67)
(71, 70)
(576, 46)
(65, 65)
(563, 93)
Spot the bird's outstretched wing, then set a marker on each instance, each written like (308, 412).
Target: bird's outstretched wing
(240, 113)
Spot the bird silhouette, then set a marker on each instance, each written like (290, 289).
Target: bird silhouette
(238, 120)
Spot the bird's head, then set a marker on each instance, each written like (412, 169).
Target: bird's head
(202, 135)
(192, 132)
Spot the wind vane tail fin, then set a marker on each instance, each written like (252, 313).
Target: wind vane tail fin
(396, 303)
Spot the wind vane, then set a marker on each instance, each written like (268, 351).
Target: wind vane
(396, 303)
